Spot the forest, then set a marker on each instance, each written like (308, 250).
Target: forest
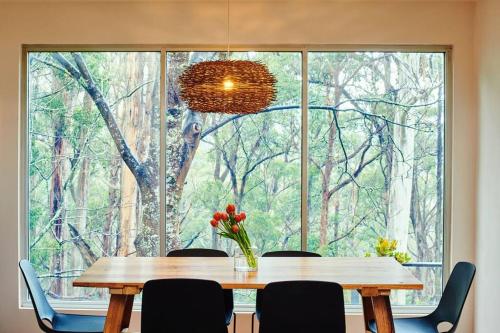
(375, 160)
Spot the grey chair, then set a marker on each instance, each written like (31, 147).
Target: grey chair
(59, 322)
(449, 308)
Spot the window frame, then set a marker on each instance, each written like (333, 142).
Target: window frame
(304, 50)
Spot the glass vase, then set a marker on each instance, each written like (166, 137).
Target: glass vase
(245, 260)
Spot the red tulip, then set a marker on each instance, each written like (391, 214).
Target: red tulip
(230, 209)
(243, 216)
(224, 216)
(214, 223)
(217, 216)
(235, 228)
(238, 218)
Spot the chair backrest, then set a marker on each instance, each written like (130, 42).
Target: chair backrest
(197, 253)
(302, 307)
(291, 254)
(43, 310)
(182, 306)
(454, 295)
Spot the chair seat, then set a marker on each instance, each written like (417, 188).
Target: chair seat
(78, 323)
(409, 325)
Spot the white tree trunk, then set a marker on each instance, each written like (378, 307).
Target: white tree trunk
(401, 181)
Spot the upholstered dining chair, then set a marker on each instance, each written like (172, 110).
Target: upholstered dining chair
(449, 308)
(290, 254)
(183, 306)
(228, 293)
(302, 307)
(48, 319)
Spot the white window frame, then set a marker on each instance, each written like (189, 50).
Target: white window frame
(304, 49)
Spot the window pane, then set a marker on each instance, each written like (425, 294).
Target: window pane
(375, 136)
(251, 160)
(93, 162)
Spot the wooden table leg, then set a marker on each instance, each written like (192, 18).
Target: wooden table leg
(383, 314)
(368, 312)
(128, 311)
(119, 312)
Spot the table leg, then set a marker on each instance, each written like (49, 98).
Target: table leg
(128, 311)
(383, 314)
(119, 312)
(368, 312)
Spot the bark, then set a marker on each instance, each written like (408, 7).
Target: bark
(401, 183)
(57, 208)
(326, 174)
(57, 201)
(112, 215)
(83, 247)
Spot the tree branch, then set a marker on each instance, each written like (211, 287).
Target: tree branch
(83, 76)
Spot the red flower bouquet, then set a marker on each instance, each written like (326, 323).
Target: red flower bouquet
(230, 224)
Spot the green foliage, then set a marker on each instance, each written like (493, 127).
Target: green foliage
(254, 160)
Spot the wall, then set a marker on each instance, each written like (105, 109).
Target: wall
(488, 293)
(254, 22)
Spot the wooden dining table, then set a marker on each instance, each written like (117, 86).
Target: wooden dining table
(373, 278)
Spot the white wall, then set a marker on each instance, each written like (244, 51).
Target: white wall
(488, 245)
(254, 22)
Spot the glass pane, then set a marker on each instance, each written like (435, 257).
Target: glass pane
(376, 123)
(93, 162)
(250, 160)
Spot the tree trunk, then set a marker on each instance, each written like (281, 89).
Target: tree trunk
(112, 215)
(401, 181)
(57, 211)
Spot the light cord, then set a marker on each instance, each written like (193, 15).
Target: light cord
(227, 32)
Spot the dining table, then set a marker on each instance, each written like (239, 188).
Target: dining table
(372, 277)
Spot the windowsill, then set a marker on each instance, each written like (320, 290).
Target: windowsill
(239, 308)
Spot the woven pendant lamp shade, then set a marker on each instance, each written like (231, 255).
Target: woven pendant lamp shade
(228, 86)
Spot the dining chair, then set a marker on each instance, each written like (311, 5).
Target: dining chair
(302, 307)
(57, 322)
(449, 308)
(290, 254)
(183, 306)
(228, 293)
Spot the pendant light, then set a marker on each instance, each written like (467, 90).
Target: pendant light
(228, 86)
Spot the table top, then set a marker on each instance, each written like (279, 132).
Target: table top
(352, 273)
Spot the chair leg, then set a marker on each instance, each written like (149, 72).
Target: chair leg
(253, 318)
(234, 320)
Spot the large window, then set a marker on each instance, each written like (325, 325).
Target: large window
(98, 185)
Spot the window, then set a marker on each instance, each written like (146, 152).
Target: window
(373, 128)
(93, 117)
(376, 158)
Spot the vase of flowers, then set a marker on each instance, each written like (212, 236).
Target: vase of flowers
(230, 224)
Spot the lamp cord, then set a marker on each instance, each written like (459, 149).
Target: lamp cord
(227, 32)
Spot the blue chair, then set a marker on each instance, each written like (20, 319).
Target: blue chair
(289, 254)
(183, 306)
(59, 322)
(228, 293)
(302, 307)
(449, 308)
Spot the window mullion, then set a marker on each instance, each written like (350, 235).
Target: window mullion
(163, 100)
(304, 154)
